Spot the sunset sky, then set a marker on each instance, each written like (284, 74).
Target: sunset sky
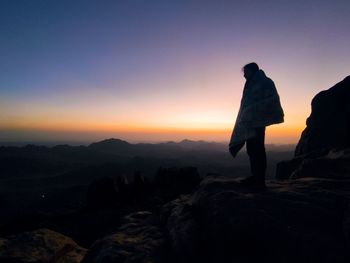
(161, 70)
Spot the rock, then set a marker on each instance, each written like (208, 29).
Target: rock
(183, 230)
(41, 245)
(328, 126)
(298, 221)
(301, 220)
(336, 165)
(101, 193)
(285, 169)
(327, 132)
(138, 240)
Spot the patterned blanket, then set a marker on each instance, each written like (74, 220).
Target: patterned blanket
(260, 106)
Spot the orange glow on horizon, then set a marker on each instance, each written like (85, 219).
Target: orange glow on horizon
(281, 134)
(189, 108)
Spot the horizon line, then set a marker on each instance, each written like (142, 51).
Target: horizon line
(88, 142)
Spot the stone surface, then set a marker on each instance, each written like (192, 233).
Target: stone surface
(306, 220)
(138, 240)
(41, 245)
(336, 165)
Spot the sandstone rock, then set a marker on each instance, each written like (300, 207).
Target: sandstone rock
(42, 245)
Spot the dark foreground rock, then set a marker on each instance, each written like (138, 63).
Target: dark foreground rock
(138, 240)
(302, 220)
(306, 220)
(299, 220)
(40, 246)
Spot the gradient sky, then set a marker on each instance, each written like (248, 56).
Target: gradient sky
(161, 70)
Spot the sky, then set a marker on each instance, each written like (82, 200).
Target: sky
(149, 71)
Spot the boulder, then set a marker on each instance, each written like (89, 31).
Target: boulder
(322, 148)
(336, 165)
(40, 246)
(328, 126)
(137, 240)
(182, 229)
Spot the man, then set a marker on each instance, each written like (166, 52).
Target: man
(260, 107)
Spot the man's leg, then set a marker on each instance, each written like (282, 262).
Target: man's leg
(257, 155)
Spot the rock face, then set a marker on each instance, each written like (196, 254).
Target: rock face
(42, 245)
(329, 123)
(303, 221)
(321, 150)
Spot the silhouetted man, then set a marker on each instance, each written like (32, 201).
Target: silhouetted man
(260, 107)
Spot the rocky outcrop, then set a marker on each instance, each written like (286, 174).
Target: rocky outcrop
(328, 164)
(328, 126)
(180, 221)
(138, 240)
(300, 220)
(306, 220)
(335, 164)
(40, 246)
(303, 220)
(321, 150)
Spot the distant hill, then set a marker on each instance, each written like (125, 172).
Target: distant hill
(110, 148)
(56, 160)
(112, 145)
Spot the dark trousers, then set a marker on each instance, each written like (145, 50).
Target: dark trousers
(256, 152)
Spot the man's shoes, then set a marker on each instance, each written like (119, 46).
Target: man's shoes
(255, 183)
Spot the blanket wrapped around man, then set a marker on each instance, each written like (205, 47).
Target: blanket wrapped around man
(260, 107)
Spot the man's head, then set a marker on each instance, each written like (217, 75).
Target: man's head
(250, 69)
